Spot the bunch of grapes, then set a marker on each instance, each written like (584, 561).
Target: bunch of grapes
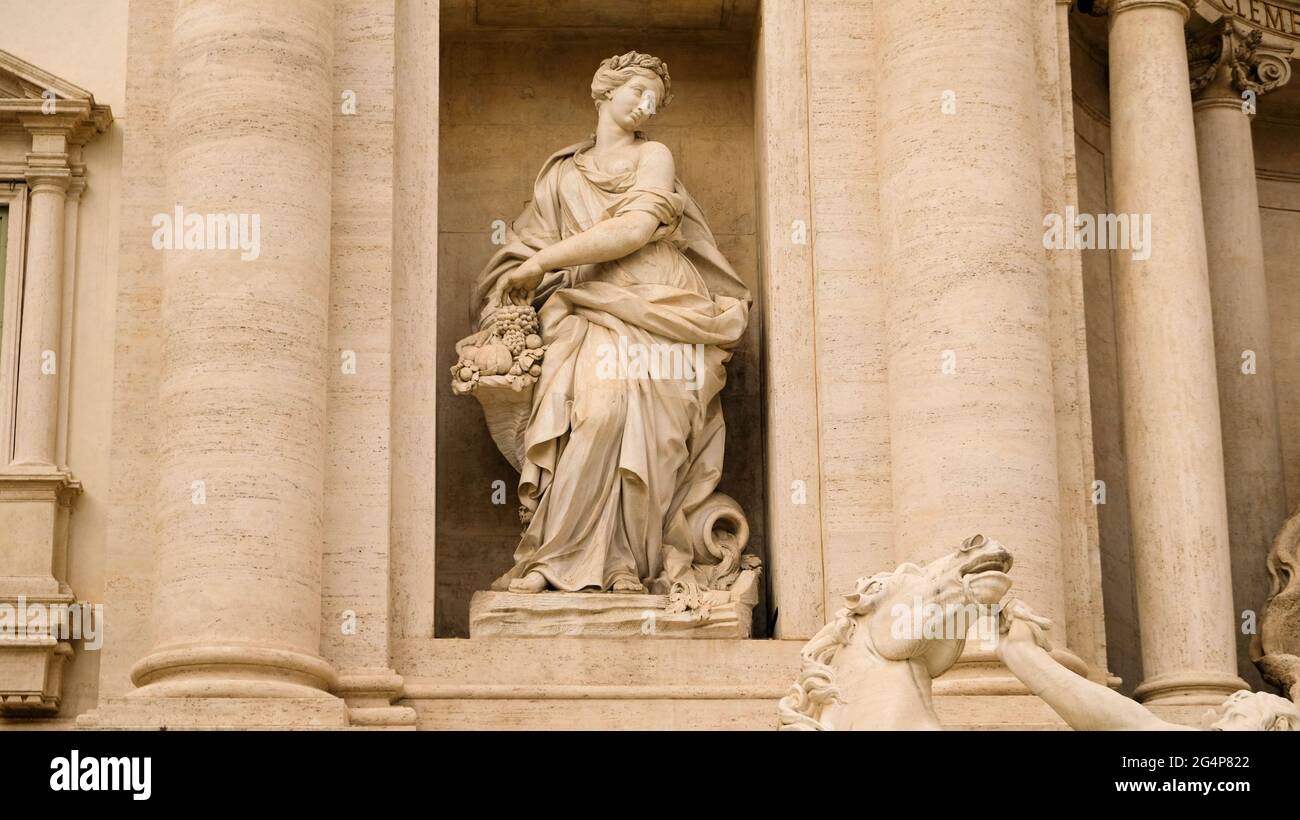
(514, 324)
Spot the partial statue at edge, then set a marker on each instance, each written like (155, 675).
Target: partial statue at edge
(873, 665)
(603, 328)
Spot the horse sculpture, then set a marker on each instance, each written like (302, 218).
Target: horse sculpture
(872, 666)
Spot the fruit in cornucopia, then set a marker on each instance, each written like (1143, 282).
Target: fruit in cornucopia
(535, 370)
(493, 359)
(466, 374)
(533, 341)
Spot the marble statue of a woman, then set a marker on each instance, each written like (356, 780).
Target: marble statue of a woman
(618, 465)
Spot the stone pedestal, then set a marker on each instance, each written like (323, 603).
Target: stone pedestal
(34, 631)
(722, 614)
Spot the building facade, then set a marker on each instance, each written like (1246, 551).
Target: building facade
(1023, 268)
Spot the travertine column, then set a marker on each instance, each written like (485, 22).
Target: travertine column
(242, 398)
(1166, 357)
(972, 420)
(1229, 72)
(794, 530)
(414, 316)
(48, 177)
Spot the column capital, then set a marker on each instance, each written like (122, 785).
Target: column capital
(76, 180)
(1232, 60)
(1100, 8)
(48, 170)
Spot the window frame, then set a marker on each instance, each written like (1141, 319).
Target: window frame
(13, 196)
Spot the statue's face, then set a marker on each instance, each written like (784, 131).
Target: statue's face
(633, 103)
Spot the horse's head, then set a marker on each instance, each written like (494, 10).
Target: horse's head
(923, 613)
(892, 619)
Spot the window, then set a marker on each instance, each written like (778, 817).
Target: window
(4, 251)
(13, 209)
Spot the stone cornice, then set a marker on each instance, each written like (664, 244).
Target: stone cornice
(33, 98)
(1099, 8)
(34, 484)
(48, 169)
(1233, 60)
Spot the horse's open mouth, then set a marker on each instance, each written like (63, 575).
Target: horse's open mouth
(999, 561)
(985, 577)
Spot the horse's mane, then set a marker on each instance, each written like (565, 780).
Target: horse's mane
(815, 688)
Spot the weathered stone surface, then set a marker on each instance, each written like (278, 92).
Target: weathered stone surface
(724, 614)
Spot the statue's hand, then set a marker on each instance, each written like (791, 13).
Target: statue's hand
(1017, 623)
(519, 284)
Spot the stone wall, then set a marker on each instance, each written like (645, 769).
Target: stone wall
(1277, 158)
(853, 395)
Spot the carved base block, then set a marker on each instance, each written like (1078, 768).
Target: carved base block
(31, 676)
(726, 614)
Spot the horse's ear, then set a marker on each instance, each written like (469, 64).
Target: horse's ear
(865, 591)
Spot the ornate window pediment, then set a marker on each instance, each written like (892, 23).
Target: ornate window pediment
(28, 90)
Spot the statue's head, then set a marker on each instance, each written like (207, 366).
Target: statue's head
(1255, 712)
(924, 613)
(630, 88)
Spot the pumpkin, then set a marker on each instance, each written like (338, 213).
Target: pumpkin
(493, 359)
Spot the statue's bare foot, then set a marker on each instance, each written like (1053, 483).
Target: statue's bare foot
(532, 582)
(630, 585)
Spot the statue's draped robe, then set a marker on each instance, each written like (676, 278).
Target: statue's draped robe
(612, 466)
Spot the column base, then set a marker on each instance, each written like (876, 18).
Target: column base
(231, 670)
(369, 694)
(1188, 689)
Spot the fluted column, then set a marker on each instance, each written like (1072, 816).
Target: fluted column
(241, 444)
(1166, 356)
(1229, 72)
(972, 418)
(48, 178)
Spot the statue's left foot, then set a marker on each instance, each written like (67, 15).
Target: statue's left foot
(532, 582)
(630, 585)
